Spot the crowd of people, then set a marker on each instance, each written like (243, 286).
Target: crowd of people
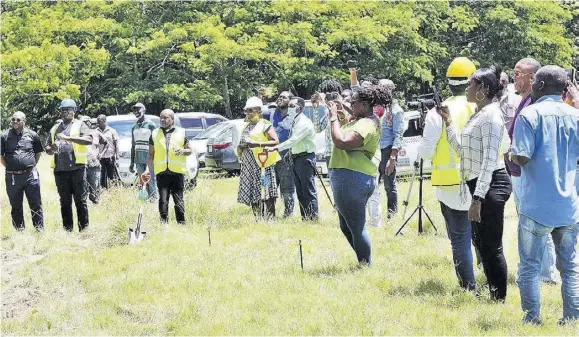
(485, 143)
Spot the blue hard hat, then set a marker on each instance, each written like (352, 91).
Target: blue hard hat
(67, 103)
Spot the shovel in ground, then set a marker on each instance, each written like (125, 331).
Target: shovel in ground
(136, 236)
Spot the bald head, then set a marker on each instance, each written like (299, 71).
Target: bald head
(529, 64)
(549, 80)
(18, 120)
(167, 118)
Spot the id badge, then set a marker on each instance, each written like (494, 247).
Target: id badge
(35, 174)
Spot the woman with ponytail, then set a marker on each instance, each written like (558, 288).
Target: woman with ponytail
(352, 171)
(483, 172)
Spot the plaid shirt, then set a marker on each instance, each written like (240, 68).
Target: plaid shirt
(479, 146)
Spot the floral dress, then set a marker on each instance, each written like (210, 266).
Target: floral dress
(250, 176)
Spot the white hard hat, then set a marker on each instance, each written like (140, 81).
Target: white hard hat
(253, 102)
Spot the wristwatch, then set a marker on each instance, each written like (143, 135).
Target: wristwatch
(333, 119)
(477, 198)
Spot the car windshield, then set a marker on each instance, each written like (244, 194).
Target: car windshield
(213, 131)
(412, 128)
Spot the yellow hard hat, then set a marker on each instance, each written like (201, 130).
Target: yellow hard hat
(460, 67)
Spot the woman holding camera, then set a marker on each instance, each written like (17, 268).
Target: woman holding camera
(352, 172)
(255, 136)
(483, 171)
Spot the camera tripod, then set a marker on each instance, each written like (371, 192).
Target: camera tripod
(418, 166)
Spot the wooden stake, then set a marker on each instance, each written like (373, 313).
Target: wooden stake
(301, 255)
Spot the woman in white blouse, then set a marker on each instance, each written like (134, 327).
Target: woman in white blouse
(483, 171)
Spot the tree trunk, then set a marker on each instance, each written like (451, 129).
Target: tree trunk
(225, 94)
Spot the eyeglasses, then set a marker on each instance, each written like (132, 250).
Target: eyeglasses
(17, 120)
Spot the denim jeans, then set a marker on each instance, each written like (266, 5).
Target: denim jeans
(93, 178)
(389, 182)
(375, 207)
(284, 174)
(305, 181)
(152, 185)
(18, 185)
(351, 193)
(532, 243)
(488, 234)
(548, 269)
(459, 232)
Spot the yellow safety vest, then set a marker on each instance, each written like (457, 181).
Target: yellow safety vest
(166, 156)
(258, 135)
(79, 151)
(446, 163)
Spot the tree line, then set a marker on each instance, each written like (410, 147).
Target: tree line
(211, 56)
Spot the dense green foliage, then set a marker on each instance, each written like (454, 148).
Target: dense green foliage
(210, 56)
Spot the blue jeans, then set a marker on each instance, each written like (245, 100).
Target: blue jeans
(389, 182)
(93, 178)
(351, 193)
(305, 182)
(284, 174)
(152, 185)
(548, 270)
(532, 243)
(459, 232)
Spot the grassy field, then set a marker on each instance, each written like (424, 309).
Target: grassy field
(249, 281)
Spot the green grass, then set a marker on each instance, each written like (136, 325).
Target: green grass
(249, 281)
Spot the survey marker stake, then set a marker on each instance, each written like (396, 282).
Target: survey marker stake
(301, 255)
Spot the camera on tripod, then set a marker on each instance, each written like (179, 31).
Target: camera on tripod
(423, 103)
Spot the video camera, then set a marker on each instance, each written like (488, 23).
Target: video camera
(426, 102)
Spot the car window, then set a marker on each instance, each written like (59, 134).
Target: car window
(191, 122)
(212, 131)
(123, 128)
(213, 120)
(412, 128)
(226, 136)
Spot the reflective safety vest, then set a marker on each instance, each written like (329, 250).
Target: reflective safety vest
(446, 163)
(258, 134)
(165, 156)
(80, 151)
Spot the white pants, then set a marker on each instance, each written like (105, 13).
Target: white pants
(374, 207)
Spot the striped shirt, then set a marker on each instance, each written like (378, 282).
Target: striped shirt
(480, 146)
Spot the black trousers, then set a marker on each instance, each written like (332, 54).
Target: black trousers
(16, 186)
(72, 185)
(305, 181)
(108, 172)
(171, 184)
(488, 234)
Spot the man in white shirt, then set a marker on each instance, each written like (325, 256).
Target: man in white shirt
(445, 170)
(303, 151)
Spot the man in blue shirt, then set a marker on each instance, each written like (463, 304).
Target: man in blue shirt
(546, 146)
(390, 144)
(284, 168)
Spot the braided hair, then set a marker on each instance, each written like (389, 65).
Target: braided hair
(330, 85)
(375, 95)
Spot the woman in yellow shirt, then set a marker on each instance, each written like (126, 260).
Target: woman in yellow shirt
(352, 172)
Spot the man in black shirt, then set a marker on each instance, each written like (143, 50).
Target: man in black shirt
(68, 143)
(20, 152)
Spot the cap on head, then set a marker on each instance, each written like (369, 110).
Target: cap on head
(67, 103)
(460, 67)
(253, 102)
(139, 106)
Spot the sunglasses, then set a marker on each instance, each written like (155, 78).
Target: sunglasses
(522, 74)
(17, 120)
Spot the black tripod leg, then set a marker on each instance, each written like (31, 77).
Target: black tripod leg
(407, 220)
(428, 216)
